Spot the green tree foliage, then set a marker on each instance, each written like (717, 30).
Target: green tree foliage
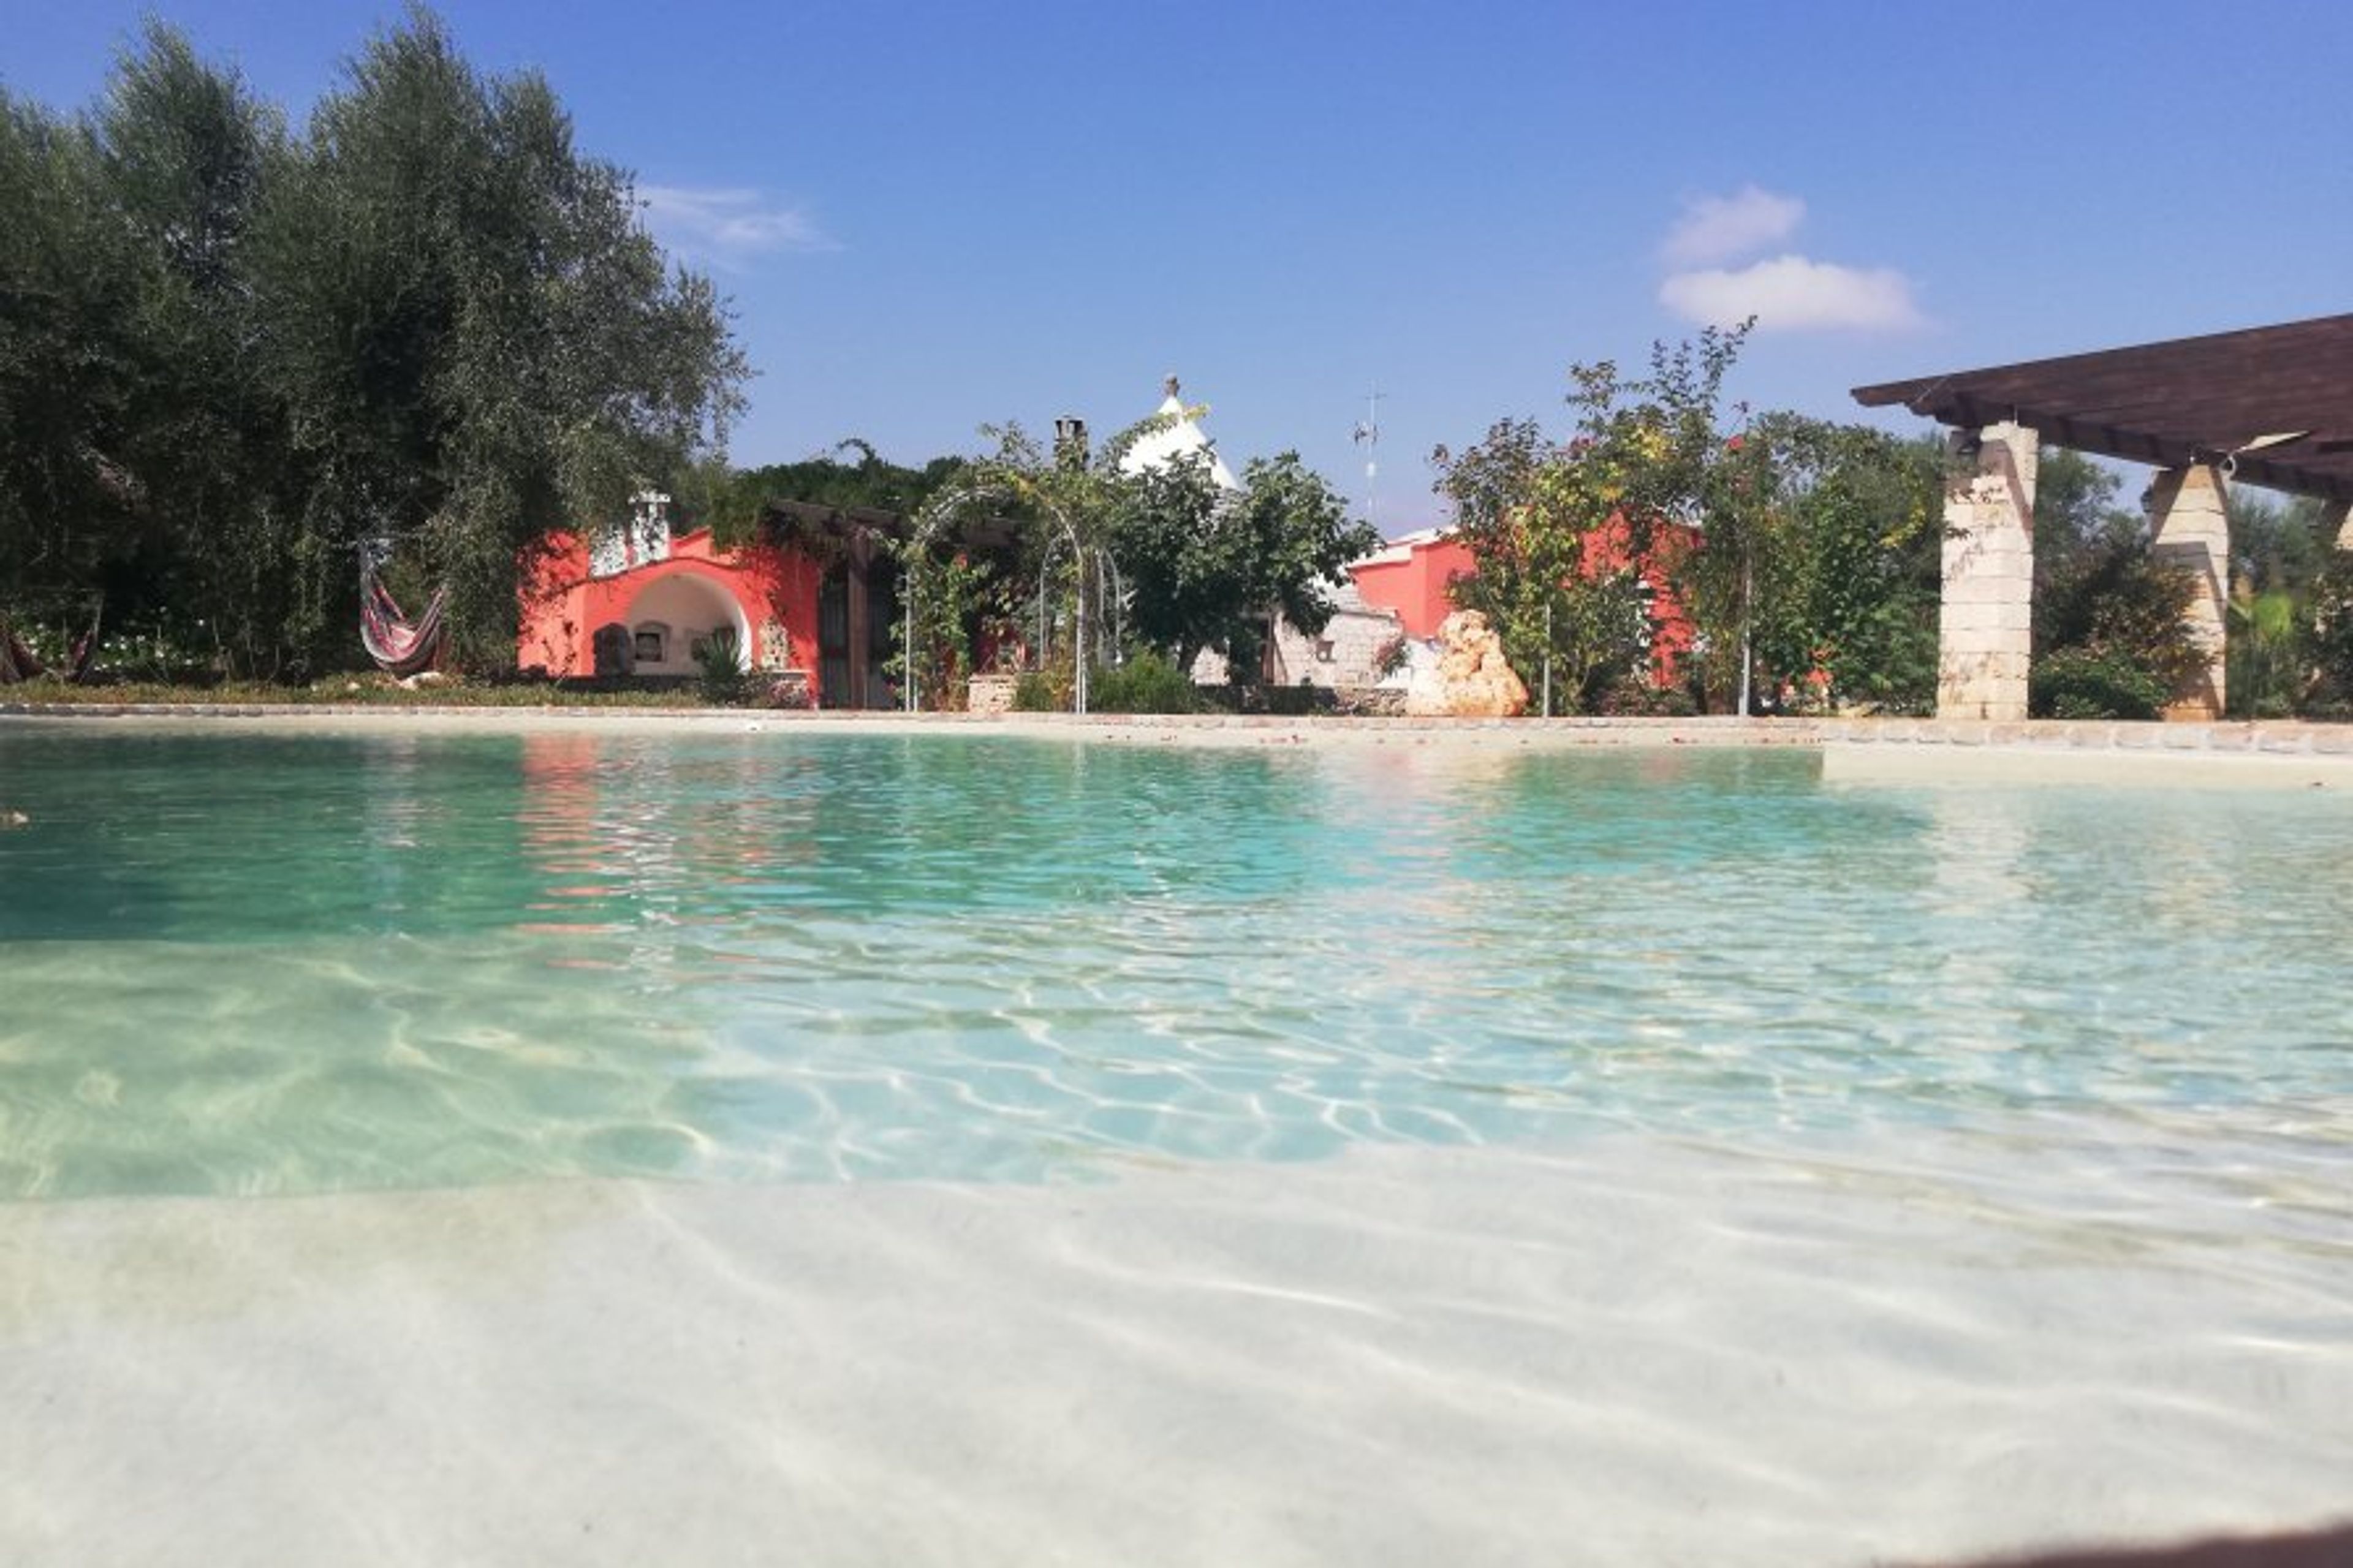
(1521, 554)
(70, 362)
(143, 435)
(481, 345)
(235, 355)
(1296, 540)
(1183, 577)
(2279, 542)
(1823, 544)
(1563, 535)
(2076, 508)
(1061, 505)
(2101, 596)
(739, 505)
(189, 156)
(2091, 681)
(1206, 569)
(2281, 559)
(1801, 551)
(2331, 649)
(1160, 559)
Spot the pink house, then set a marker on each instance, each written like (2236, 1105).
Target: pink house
(1413, 576)
(640, 603)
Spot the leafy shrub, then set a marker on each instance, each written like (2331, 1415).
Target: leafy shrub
(2123, 607)
(2265, 658)
(2083, 683)
(786, 692)
(1635, 698)
(1147, 683)
(1890, 667)
(718, 657)
(1277, 702)
(1039, 692)
(155, 649)
(2332, 631)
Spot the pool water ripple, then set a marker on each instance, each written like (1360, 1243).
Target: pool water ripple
(264, 964)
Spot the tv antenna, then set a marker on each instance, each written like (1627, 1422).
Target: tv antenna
(1367, 434)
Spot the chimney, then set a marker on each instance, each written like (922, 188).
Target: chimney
(1071, 441)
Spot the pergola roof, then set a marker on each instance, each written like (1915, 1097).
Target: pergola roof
(2278, 400)
(852, 523)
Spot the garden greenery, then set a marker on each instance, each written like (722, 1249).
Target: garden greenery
(234, 352)
(1803, 555)
(1014, 551)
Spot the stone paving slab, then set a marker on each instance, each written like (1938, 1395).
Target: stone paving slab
(2276, 738)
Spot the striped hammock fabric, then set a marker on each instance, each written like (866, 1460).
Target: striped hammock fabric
(398, 644)
(18, 662)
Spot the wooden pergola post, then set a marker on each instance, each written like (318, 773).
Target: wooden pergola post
(2277, 400)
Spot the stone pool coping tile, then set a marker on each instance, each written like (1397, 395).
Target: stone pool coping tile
(2333, 744)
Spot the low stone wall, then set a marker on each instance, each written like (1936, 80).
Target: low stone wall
(990, 695)
(2277, 737)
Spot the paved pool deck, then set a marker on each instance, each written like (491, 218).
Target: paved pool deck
(2278, 755)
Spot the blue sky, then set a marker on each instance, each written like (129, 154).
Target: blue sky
(929, 217)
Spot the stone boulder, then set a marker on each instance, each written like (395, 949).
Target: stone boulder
(1470, 679)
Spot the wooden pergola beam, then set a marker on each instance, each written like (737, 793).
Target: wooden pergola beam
(2187, 400)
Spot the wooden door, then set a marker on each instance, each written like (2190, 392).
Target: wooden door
(833, 662)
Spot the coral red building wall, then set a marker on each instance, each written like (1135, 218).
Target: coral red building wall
(768, 595)
(1411, 577)
(1414, 577)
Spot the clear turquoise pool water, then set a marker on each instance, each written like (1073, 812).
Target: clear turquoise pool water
(245, 963)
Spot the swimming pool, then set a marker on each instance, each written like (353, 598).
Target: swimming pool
(263, 964)
(1398, 1150)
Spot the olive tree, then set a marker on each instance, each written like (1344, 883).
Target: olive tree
(231, 356)
(478, 341)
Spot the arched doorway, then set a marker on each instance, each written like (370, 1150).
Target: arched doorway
(675, 615)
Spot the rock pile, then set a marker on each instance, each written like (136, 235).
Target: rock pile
(1471, 679)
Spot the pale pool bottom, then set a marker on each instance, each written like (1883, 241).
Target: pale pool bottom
(1816, 1350)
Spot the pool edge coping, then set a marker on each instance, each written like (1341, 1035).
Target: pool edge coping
(2147, 743)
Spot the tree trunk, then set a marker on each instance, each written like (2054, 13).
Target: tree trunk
(1748, 659)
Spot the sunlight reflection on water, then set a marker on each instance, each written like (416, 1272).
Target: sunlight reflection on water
(266, 964)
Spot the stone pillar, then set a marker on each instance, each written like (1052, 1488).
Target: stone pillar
(2193, 532)
(1985, 628)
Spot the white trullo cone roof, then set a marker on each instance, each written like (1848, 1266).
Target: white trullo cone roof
(1181, 438)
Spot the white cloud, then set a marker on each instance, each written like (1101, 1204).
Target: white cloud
(1794, 293)
(1717, 229)
(729, 227)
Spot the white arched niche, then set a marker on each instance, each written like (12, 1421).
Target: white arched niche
(675, 614)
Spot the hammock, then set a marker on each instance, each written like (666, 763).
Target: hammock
(398, 644)
(18, 662)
